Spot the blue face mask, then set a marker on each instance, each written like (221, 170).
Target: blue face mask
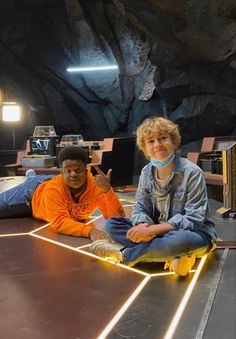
(164, 163)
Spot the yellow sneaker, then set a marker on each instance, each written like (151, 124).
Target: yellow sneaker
(182, 265)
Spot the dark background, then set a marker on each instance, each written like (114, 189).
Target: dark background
(176, 59)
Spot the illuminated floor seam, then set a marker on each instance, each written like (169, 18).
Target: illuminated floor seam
(24, 233)
(13, 234)
(180, 310)
(123, 309)
(134, 295)
(79, 250)
(40, 228)
(82, 246)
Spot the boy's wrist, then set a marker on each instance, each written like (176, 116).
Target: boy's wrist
(106, 188)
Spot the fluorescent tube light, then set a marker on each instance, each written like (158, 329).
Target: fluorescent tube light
(89, 69)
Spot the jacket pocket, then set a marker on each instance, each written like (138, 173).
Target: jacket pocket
(178, 202)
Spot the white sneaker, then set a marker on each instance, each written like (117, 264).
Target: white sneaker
(182, 265)
(106, 249)
(30, 173)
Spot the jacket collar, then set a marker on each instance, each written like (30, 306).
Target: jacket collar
(178, 169)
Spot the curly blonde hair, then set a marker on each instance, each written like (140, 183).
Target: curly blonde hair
(160, 126)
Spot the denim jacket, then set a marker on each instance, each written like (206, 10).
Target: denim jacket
(188, 208)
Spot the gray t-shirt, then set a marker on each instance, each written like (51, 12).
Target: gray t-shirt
(163, 201)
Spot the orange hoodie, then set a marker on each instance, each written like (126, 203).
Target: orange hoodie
(53, 202)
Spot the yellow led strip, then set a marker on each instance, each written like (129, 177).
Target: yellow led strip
(82, 246)
(94, 218)
(112, 262)
(54, 242)
(131, 200)
(13, 234)
(178, 314)
(78, 249)
(167, 273)
(40, 228)
(75, 249)
(123, 309)
(23, 233)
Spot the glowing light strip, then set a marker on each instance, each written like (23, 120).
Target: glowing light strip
(94, 219)
(210, 301)
(89, 69)
(75, 249)
(161, 274)
(178, 314)
(114, 263)
(38, 229)
(123, 309)
(54, 242)
(13, 234)
(78, 249)
(83, 246)
(131, 200)
(164, 274)
(132, 269)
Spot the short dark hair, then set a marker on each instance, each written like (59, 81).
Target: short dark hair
(73, 153)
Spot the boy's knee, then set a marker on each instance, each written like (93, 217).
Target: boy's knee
(116, 223)
(110, 224)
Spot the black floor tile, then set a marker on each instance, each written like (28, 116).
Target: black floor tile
(52, 292)
(19, 225)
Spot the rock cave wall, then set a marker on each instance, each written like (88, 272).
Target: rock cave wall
(176, 59)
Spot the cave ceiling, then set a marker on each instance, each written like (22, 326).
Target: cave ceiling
(176, 58)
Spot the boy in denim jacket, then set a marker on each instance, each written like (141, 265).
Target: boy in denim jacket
(171, 220)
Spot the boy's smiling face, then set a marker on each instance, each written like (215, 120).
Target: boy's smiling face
(158, 146)
(74, 173)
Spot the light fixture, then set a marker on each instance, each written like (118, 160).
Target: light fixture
(92, 68)
(11, 111)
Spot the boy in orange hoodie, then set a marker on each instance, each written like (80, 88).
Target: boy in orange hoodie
(66, 200)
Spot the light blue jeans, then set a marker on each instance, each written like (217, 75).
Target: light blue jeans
(16, 201)
(173, 244)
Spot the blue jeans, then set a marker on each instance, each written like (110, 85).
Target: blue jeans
(173, 244)
(16, 202)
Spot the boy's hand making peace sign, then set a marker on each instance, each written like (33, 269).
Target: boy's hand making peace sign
(102, 180)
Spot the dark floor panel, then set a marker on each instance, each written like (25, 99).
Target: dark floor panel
(151, 313)
(52, 292)
(194, 312)
(226, 228)
(19, 225)
(70, 240)
(61, 238)
(221, 323)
